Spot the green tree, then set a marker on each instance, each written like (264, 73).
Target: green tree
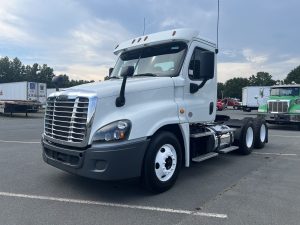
(221, 89)
(14, 71)
(5, 70)
(294, 75)
(234, 86)
(261, 79)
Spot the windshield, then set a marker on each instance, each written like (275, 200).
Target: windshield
(287, 91)
(158, 60)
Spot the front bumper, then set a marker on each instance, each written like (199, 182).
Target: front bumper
(113, 161)
(281, 118)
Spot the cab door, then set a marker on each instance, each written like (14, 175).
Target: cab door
(200, 91)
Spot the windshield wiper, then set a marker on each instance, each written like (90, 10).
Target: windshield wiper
(146, 75)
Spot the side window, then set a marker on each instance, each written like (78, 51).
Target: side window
(194, 66)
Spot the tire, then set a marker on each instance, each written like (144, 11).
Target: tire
(246, 139)
(162, 162)
(260, 133)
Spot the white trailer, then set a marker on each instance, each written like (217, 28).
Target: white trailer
(42, 93)
(21, 97)
(18, 91)
(254, 96)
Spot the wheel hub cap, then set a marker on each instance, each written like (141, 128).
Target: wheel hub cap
(165, 162)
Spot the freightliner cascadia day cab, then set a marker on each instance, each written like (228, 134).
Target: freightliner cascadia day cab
(155, 113)
(283, 105)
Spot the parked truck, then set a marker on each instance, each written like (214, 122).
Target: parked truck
(154, 114)
(21, 97)
(254, 96)
(283, 106)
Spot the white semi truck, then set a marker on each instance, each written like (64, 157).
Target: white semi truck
(154, 114)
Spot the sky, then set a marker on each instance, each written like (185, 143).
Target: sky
(77, 37)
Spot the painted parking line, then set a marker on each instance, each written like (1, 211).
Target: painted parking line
(283, 136)
(21, 142)
(271, 153)
(107, 204)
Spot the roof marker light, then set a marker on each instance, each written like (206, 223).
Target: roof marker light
(139, 39)
(145, 38)
(174, 32)
(133, 41)
(117, 46)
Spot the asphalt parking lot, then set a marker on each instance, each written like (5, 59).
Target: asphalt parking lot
(262, 188)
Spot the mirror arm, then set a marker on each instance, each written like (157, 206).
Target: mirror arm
(195, 87)
(120, 101)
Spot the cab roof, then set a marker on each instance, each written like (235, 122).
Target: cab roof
(185, 35)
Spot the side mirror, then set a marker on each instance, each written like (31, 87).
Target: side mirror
(110, 71)
(58, 81)
(207, 67)
(127, 71)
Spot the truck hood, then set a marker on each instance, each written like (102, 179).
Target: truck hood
(112, 87)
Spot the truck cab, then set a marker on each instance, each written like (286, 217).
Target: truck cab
(283, 105)
(154, 114)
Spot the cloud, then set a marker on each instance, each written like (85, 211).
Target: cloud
(78, 37)
(254, 58)
(84, 72)
(12, 26)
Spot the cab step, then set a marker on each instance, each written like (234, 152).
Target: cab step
(229, 149)
(204, 157)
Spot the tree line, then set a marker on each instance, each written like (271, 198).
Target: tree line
(14, 71)
(233, 87)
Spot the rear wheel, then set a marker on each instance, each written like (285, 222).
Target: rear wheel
(162, 162)
(261, 133)
(246, 140)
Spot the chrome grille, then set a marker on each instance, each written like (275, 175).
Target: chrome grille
(66, 118)
(278, 106)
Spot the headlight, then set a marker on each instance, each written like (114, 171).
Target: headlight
(297, 101)
(115, 131)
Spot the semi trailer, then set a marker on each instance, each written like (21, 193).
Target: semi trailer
(153, 115)
(22, 97)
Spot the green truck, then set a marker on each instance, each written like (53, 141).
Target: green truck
(283, 105)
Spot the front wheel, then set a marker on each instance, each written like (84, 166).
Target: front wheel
(162, 162)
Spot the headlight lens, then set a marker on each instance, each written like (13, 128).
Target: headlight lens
(115, 131)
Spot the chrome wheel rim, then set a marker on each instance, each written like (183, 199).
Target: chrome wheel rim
(165, 162)
(249, 137)
(263, 132)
